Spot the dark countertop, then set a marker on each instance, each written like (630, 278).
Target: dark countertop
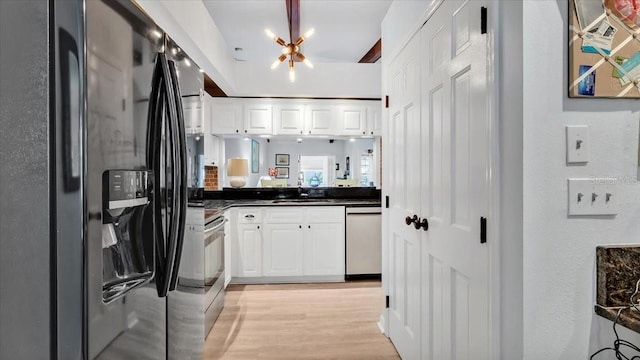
(214, 208)
(216, 202)
(617, 272)
(629, 318)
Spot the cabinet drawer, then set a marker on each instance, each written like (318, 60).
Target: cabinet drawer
(284, 215)
(325, 214)
(249, 216)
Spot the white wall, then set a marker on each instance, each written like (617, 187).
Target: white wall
(402, 20)
(191, 26)
(330, 80)
(508, 40)
(241, 148)
(558, 252)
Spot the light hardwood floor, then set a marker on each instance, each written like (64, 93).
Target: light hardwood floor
(300, 321)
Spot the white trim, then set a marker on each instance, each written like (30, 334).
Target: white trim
(287, 279)
(494, 181)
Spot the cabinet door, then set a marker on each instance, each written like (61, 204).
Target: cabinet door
(283, 250)
(320, 119)
(374, 116)
(288, 119)
(258, 118)
(324, 249)
(248, 257)
(352, 120)
(226, 117)
(193, 111)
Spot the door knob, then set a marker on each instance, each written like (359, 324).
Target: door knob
(424, 224)
(408, 220)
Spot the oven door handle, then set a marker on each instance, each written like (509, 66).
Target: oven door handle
(215, 227)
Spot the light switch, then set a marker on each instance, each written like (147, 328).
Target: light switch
(593, 196)
(577, 144)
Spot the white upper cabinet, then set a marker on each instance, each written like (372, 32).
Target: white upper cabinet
(226, 116)
(374, 117)
(193, 111)
(320, 119)
(288, 119)
(238, 116)
(258, 118)
(352, 119)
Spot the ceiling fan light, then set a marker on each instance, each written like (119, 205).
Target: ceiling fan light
(275, 64)
(309, 33)
(286, 50)
(270, 34)
(292, 75)
(308, 63)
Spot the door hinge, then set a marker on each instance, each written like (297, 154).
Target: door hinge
(386, 201)
(387, 302)
(386, 101)
(483, 20)
(483, 230)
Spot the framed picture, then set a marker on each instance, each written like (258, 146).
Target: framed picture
(282, 159)
(255, 156)
(604, 58)
(282, 172)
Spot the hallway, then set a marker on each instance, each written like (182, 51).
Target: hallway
(300, 321)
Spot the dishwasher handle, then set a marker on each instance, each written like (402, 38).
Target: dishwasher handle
(364, 211)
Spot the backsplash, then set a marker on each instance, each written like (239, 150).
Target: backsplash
(210, 177)
(618, 270)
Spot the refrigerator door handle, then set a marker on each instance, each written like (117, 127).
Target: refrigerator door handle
(181, 185)
(165, 237)
(72, 106)
(172, 138)
(154, 141)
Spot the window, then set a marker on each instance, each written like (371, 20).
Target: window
(317, 170)
(366, 170)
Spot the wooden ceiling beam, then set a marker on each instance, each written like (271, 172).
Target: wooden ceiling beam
(212, 88)
(293, 16)
(373, 54)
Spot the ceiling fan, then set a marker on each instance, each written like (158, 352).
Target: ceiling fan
(291, 49)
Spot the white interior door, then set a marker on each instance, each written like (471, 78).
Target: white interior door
(403, 144)
(455, 294)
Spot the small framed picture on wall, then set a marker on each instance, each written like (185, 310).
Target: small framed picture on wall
(282, 159)
(282, 172)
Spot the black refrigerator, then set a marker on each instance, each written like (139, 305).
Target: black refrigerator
(94, 181)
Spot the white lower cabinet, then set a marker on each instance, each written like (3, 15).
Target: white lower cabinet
(282, 250)
(249, 251)
(324, 249)
(292, 243)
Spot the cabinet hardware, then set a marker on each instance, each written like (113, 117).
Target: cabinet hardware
(483, 230)
(483, 20)
(424, 224)
(386, 302)
(408, 220)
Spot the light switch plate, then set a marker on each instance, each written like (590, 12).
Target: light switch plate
(593, 196)
(577, 144)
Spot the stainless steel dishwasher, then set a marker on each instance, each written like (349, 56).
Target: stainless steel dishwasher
(364, 242)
